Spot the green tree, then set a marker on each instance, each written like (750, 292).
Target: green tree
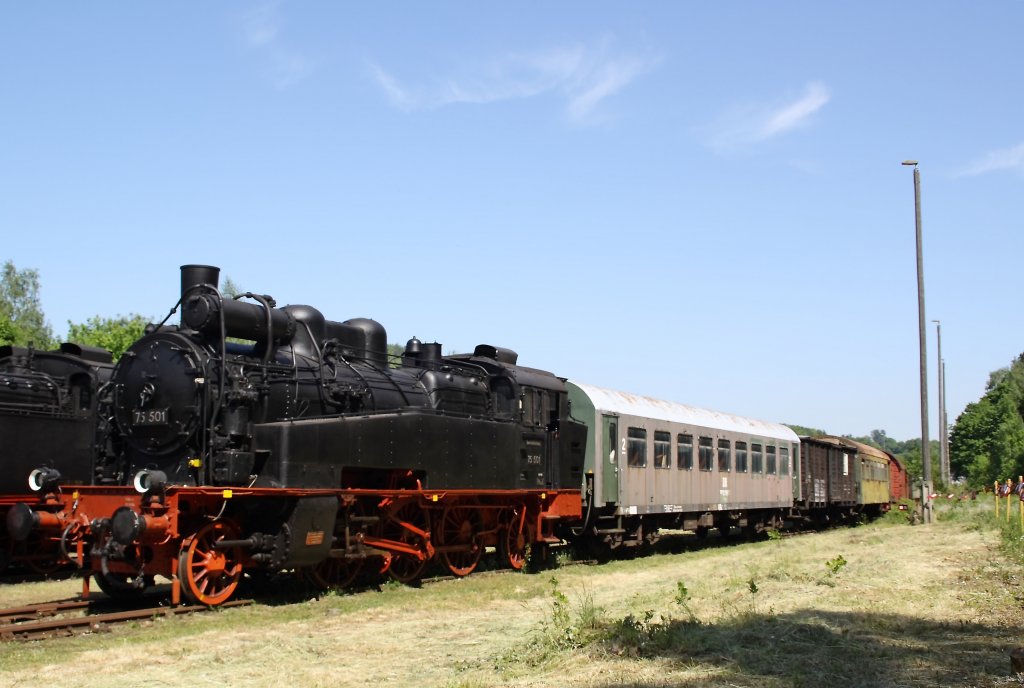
(113, 334)
(230, 289)
(21, 315)
(987, 441)
(805, 431)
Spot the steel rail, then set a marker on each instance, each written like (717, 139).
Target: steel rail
(34, 630)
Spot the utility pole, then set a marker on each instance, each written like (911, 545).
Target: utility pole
(944, 437)
(926, 457)
(943, 451)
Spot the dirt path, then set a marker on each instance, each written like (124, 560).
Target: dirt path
(893, 606)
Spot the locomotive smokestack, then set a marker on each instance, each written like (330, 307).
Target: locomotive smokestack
(194, 275)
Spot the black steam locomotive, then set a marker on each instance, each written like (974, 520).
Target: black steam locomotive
(52, 429)
(247, 394)
(261, 437)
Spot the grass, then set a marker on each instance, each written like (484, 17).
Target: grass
(877, 605)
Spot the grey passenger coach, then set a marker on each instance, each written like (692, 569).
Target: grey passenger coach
(661, 465)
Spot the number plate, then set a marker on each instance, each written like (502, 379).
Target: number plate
(150, 417)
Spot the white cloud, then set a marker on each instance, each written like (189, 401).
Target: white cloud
(1005, 159)
(583, 77)
(261, 29)
(752, 124)
(260, 24)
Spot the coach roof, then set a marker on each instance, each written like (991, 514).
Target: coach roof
(623, 403)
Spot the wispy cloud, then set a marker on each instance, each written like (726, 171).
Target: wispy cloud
(261, 29)
(750, 124)
(583, 77)
(1011, 158)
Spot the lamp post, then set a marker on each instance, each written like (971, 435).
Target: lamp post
(943, 454)
(926, 458)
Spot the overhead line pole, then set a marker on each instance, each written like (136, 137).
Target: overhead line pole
(926, 458)
(943, 456)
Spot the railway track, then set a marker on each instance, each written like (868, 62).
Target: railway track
(76, 616)
(62, 618)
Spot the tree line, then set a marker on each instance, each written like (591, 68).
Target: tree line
(987, 441)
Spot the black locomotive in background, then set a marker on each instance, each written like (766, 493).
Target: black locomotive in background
(52, 430)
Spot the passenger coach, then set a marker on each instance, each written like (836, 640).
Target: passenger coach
(661, 465)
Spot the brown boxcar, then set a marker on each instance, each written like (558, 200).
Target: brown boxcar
(827, 475)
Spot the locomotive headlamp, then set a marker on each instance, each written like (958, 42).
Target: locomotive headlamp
(146, 481)
(44, 479)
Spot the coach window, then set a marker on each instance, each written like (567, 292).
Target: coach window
(662, 449)
(705, 459)
(684, 452)
(724, 456)
(741, 457)
(771, 460)
(636, 451)
(783, 460)
(756, 458)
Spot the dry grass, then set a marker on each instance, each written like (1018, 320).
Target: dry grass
(935, 606)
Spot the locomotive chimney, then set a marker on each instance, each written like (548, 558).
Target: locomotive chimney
(193, 276)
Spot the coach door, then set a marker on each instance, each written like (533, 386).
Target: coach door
(609, 489)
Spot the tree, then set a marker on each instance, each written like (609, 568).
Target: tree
(21, 315)
(987, 441)
(230, 289)
(113, 334)
(805, 431)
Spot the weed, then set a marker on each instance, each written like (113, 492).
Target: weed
(682, 599)
(639, 636)
(833, 567)
(836, 564)
(588, 614)
(560, 631)
(774, 535)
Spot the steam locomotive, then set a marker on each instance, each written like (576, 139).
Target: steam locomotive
(265, 437)
(51, 426)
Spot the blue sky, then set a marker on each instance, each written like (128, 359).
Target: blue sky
(697, 201)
